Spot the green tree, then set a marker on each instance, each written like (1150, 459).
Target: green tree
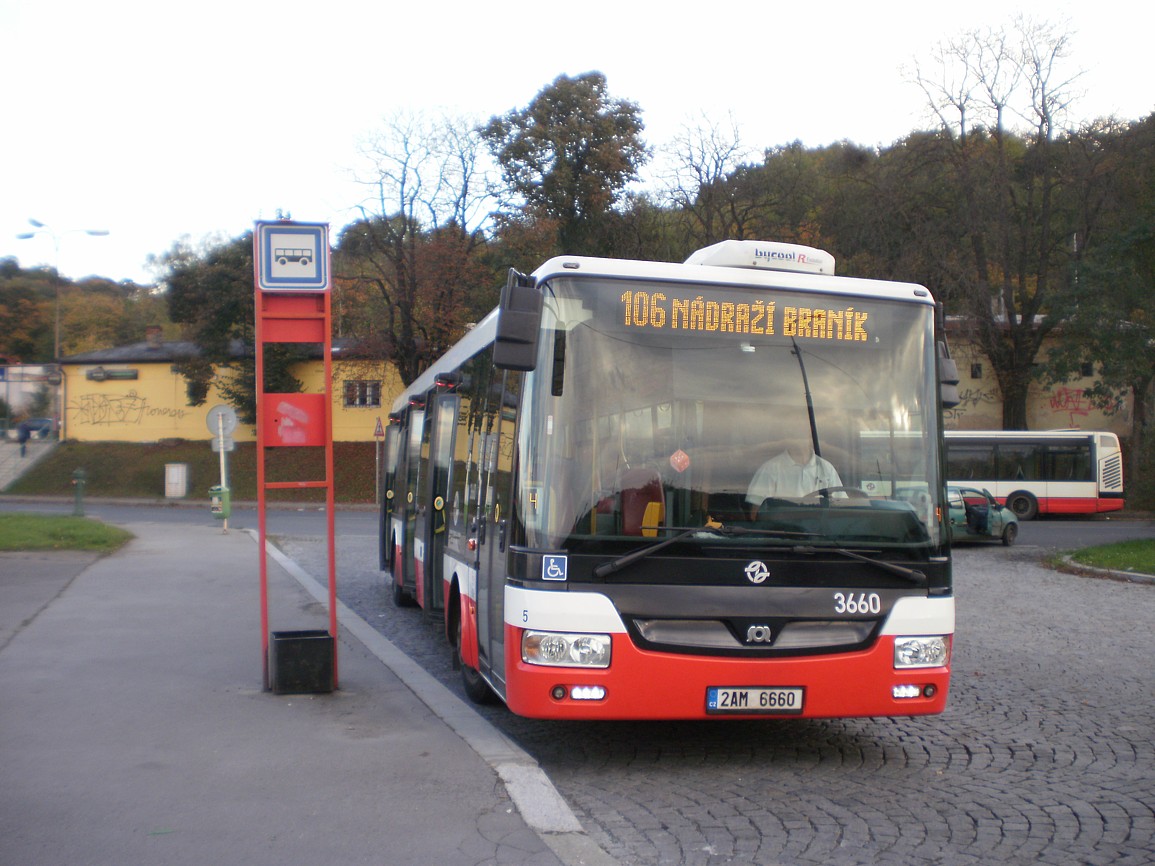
(26, 312)
(1110, 323)
(98, 313)
(95, 313)
(210, 292)
(569, 156)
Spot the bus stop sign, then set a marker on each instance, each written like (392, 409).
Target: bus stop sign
(292, 257)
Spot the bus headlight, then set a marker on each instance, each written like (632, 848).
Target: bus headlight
(921, 652)
(560, 649)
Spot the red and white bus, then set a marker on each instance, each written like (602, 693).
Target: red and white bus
(1047, 472)
(568, 492)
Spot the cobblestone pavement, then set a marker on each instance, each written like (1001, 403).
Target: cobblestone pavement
(1044, 755)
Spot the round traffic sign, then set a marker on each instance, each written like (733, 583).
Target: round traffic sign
(221, 419)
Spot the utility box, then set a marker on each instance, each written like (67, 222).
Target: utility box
(301, 662)
(175, 480)
(220, 502)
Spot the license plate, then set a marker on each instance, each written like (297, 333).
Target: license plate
(754, 699)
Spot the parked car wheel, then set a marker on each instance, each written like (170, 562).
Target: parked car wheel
(1010, 533)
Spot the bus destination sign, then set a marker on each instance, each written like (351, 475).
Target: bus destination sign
(658, 311)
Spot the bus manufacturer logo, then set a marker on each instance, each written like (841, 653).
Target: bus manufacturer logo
(758, 634)
(757, 572)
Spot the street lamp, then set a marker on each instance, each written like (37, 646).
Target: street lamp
(42, 229)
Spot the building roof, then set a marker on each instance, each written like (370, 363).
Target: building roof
(173, 351)
(148, 351)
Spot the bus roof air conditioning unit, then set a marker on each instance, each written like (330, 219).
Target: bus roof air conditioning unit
(764, 255)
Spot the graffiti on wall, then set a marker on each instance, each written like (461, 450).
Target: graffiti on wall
(970, 398)
(1074, 403)
(110, 409)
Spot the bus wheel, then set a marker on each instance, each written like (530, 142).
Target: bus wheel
(401, 598)
(1010, 533)
(476, 688)
(1023, 504)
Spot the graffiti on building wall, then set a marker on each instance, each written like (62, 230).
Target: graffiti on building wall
(1074, 403)
(110, 409)
(1071, 402)
(971, 398)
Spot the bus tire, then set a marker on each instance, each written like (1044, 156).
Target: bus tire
(1024, 504)
(475, 686)
(401, 598)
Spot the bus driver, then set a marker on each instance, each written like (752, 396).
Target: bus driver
(794, 473)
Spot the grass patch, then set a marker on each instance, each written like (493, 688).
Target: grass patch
(19, 531)
(1135, 556)
(136, 470)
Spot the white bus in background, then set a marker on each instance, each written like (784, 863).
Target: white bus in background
(1050, 472)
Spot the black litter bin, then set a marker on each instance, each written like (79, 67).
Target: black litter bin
(301, 662)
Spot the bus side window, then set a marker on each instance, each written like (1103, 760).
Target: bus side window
(471, 420)
(504, 444)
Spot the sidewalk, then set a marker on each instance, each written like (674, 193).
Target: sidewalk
(134, 727)
(13, 464)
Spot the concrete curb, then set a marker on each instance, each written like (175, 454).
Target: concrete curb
(1107, 573)
(538, 801)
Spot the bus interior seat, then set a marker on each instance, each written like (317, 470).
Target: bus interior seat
(976, 516)
(643, 502)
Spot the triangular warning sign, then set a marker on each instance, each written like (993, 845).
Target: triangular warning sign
(380, 431)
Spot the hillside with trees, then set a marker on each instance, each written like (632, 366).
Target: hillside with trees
(1023, 225)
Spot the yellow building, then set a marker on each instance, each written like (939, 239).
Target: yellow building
(1049, 407)
(133, 393)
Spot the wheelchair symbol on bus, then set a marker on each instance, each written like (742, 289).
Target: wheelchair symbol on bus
(553, 568)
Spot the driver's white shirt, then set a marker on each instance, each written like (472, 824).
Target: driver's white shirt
(782, 476)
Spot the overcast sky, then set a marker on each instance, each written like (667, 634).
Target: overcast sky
(156, 121)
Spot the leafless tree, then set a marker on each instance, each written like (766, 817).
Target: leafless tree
(416, 244)
(1009, 180)
(699, 160)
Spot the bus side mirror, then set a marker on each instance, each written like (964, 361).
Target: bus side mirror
(518, 324)
(947, 377)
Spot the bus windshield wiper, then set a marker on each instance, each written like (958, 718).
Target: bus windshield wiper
(680, 532)
(608, 568)
(911, 574)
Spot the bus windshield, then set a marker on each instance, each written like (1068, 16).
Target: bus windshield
(752, 416)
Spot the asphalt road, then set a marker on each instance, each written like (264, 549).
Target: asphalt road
(1044, 755)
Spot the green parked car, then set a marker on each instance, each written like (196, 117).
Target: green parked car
(975, 515)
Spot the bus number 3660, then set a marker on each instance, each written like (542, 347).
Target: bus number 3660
(860, 602)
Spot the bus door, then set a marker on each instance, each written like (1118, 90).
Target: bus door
(436, 498)
(406, 568)
(497, 477)
(386, 495)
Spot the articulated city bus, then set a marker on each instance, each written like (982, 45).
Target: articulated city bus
(1046, 472)
(636, 490)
